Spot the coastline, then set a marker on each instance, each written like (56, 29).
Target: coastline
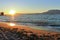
(26, 32)
(6, 25)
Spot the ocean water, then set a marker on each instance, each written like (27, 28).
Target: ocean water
(34, 21)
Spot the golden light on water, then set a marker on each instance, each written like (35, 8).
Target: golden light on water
(12, 24)
(12, 12)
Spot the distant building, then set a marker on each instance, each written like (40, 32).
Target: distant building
(1, 13)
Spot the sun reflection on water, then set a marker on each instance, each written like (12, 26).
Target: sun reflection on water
(12, 24)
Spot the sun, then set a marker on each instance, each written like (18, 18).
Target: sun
(12, 12)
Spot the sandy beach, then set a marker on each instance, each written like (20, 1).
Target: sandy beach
(28, 33)
(6, 25)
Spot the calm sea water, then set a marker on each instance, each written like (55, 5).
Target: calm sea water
(29, 20)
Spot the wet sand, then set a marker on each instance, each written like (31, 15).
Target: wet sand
(9, 32)
(6, 25)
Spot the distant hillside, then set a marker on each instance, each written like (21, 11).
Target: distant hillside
(47, 12)
(52, 12)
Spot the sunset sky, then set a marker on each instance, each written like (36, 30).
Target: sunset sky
(29, 6)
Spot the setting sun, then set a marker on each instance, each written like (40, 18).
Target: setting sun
(12, 12)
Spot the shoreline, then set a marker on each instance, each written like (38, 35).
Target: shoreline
(6, 25)
(20, 31)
